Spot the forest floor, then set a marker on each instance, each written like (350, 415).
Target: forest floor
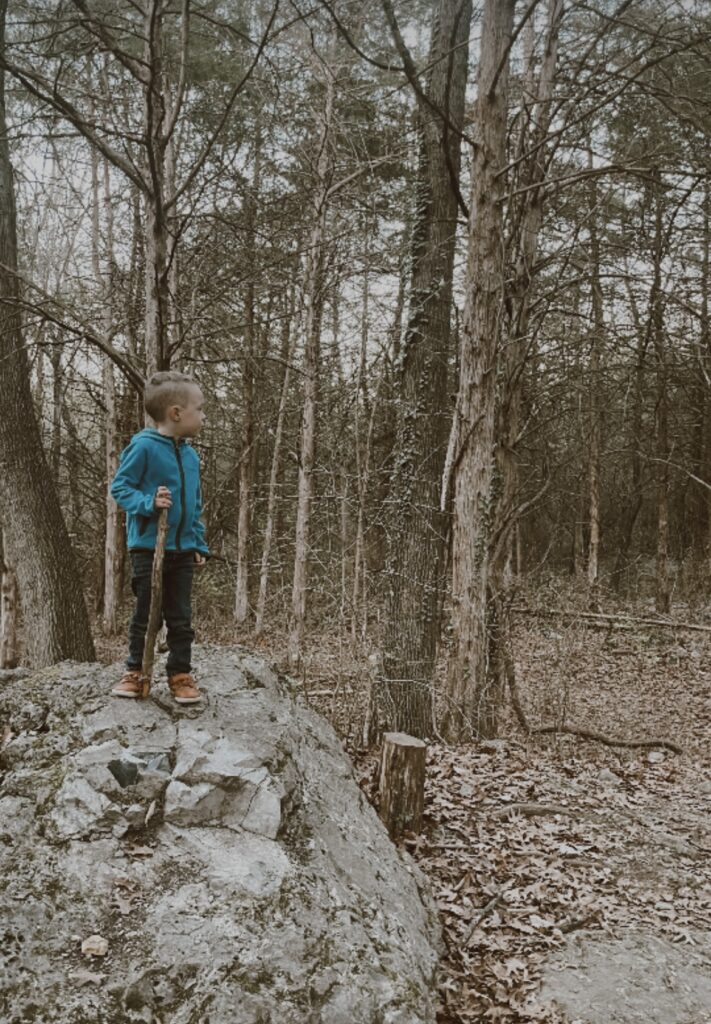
(573, 878)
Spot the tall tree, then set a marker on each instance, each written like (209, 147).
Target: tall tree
(55, 616)
(469, 702)
(313, 312)
(417, 527)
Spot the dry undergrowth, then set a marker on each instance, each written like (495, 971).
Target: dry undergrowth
(532, 839)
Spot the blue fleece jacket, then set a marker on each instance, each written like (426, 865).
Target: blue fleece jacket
(152, 460)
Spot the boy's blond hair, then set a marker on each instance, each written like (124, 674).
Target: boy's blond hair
(166, 388)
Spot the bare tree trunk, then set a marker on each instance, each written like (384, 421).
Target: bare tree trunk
(157, 316)
(386, 437)
(705, 364)
(637, 440)
(55, 448)
(9, 602)
(635, 491)
(112, 543)
(470, 704)
(344, 523)
(313, 302)
(580, 500)
(246, 461)
(417, 525)
(287, 352)
(535, 118)
(35, 532)
(175, 321)
(362, 461)
(104, 282)
(656, 313)
(113, 540)
(594, 392)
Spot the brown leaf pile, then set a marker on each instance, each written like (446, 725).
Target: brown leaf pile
(528, 840)
(531, 840)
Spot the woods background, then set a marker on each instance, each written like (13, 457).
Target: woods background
(442, 272)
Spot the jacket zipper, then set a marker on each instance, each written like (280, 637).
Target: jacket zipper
(182, 495)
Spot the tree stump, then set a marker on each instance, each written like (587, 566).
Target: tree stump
(402, 783)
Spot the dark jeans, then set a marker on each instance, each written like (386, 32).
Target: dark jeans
(177, 585)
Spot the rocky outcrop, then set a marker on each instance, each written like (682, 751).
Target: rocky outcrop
(225, 854)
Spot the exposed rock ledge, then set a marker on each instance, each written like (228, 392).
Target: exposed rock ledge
(226, 854)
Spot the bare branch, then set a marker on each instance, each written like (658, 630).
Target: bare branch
(207, 148)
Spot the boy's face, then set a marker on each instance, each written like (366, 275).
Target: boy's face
(188, 419)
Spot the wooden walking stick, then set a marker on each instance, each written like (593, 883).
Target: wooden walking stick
(154, 615)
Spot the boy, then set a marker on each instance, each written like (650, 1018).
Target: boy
(159, 469)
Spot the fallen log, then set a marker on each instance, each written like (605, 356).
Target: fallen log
(608, 741)
(602, 618)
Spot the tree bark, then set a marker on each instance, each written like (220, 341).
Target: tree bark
(634, 505)
(402, 783)
(362, 458)
(247, 462)
(313, 302)
(528, 217)
(598, 328)
(157, 315)
(288, 345)
(417, 532)
(470, 704)
(705, 361)
(656, 313)
(535, 117)
(103, 276)
(37, 538)
(9, 602)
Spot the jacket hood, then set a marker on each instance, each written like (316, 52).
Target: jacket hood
(155, 435)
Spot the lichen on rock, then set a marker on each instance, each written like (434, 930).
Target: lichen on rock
(226, 854)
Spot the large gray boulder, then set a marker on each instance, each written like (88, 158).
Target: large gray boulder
(225, 854)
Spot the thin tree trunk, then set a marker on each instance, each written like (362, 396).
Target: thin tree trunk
(157, 313)
(344, 523)
(9, 601)
(417, 530)
(104, 278)
(535, 117)
(313, 301)
(246, 462)
(362, 459)
(636, 441)
(663, 583)
(594, 392)
(113, 540)
(471, 706)
(386, 437)
(287, 353)
(37, 539)
(705, 361)
(175, 322)
(518, 351)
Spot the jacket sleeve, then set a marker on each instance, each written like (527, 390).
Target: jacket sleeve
(198, 525)
(126, 485)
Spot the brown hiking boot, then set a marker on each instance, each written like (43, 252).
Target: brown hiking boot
(130, 685)
(182, 686)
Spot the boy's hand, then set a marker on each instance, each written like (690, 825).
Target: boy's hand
(199, 558)
(162, 498)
